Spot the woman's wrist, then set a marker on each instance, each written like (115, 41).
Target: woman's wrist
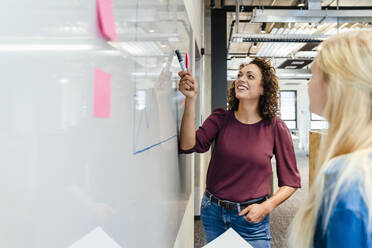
(191, 99)
(268, 205)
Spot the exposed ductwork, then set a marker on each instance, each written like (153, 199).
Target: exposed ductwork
(250, 8)
(293, 46)
(313, 16)
(232, 30)
(299, 38)
(237, 15)
(314, 4)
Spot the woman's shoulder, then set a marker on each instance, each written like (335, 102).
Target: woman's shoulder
(277, 122)
(217, 118)
(338, 163)
(278, 125)
(350, 195)
(220, 113)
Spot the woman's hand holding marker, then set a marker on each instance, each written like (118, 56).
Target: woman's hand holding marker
(187, 85)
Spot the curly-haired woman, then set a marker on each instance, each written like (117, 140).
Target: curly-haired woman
(245, 139)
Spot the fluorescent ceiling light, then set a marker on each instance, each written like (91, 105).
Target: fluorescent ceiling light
(293, 75)
(307, 54)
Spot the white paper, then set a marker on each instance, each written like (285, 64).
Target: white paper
(97, 238)
(230, 239)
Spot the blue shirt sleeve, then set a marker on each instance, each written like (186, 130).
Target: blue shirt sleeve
(345, 229)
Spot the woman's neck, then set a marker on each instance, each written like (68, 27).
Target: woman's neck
(248, 112)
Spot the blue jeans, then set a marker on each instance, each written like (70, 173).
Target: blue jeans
(216, 220)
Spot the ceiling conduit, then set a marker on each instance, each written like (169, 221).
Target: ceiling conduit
(301, 38)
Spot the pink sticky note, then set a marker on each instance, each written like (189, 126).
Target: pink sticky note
(102, 94)
(106, 19)
(187, 61)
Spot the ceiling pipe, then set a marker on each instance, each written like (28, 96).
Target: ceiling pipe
(297, 38)
(315, 13)
(231, 32)
(237, 10)
(250, 8)
(244, 55)
(313, 16)
(314, 4)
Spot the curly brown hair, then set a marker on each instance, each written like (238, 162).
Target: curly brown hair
(268, 102)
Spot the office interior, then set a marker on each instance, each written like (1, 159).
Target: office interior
(276, 31)
(75, 169)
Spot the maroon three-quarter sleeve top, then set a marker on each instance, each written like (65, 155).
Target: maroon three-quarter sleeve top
(240, 166)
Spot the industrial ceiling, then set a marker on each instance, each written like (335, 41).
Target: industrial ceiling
(287, 31)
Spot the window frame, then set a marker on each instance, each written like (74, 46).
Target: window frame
(295, 103)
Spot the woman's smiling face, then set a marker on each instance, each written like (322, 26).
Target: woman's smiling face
(248, 86)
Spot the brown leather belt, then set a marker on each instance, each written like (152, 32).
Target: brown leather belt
(234, 205)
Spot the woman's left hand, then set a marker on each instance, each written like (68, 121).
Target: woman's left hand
(255, 212)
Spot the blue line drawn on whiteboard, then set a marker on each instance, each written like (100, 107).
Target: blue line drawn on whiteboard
(155, 108)
(149, 147)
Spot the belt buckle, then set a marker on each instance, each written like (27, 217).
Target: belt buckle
(219, 202)
(236, 206)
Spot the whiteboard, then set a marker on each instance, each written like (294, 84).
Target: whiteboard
(64, 172)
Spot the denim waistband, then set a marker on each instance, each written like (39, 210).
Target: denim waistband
(233, 205)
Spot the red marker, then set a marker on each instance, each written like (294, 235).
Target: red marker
(187, 61)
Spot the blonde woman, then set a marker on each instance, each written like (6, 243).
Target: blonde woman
(337, 212)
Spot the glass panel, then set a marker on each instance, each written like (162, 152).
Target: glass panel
(288, 105)
(290, 124)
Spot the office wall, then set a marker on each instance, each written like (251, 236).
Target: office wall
(65, 172)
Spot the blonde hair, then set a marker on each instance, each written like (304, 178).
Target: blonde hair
(346, 63)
